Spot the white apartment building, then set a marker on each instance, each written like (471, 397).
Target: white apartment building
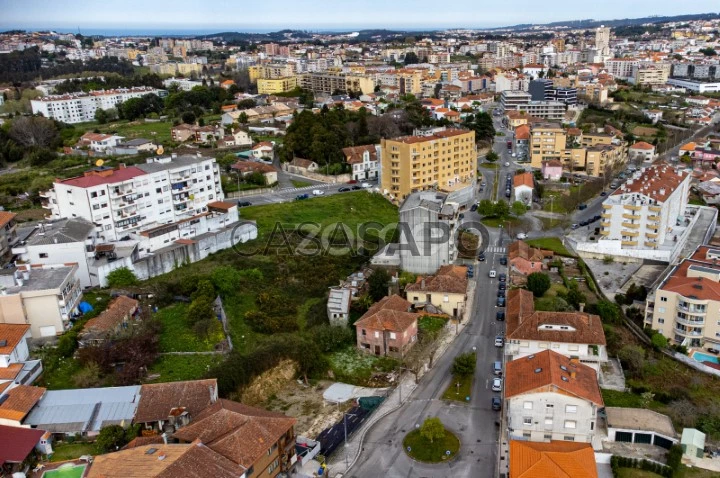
(45, 298)
(685, 307)
(184, 84)
(136, 198)
(621, 68)
(643, 212)
(80, 107)
(551, 397)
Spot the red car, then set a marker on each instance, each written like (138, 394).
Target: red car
(352, 181)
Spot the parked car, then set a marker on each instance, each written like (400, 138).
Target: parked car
(483, 184)
(481, 257)
(473, 207)
(603, 193)
(366, 185)
(343, 190)
(492, 273)
(503, 261)
(317, 192)
(501, 301)
(497, 384)
(501, 293)
(356, 188)
(507, 193)
(500, 315)
(496, 403)
(521, 235)
(244, 203)
(507, 164)
(502, 278)
(575, 226)
(300, 197)
(461, 216)
(502, 286)
(596, 218)
(582, 206)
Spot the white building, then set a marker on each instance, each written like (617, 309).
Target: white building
(642, 151)
(81, 107)
(184, 84)
(15, 366)
(551, 397)
(364, 161)
(644, 212)
(99, 142)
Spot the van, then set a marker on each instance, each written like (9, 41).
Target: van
(491, 274)
(497, 368)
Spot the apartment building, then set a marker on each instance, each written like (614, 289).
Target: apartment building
(548, 141)
(136, 198)
(267, 86)
(81, 107)
(654, 74)
(602, 159)
(551, 397)
(514, 99)
(621, 68)
(329, 83)
(8, 232)
(522, 101)
(44, 298)
(685, 307)
(642, 213)
(444, 159)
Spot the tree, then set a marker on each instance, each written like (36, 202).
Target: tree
(432, 429)
(34, 131)
(574, 296)
(188, 117)
(501, 209)
(464, 365)
(411, 58)
(204, 288)
(101, 116)
(674, 457)
(633, 356)
(200, 309)
(518, 208)
(227, 160)
(122, 277)
(492, 156)
(538, 283)
(609, 313)
(330, 338)
(659, 341)
(378, 284)
(113, 437)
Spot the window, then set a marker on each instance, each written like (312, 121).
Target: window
(663, 299)
(527, 434)
(549, 406)
(661, 310)
(527, 420)
(377, 334)
(573, 348)
(446, 298)
(662, 321)
(570, 424)
(570, 408)
(364, 332)
(528, 405)
(569, 438)
(543, 346)
(392, 336)
(43, 255)
(547, 436)
(548, 422)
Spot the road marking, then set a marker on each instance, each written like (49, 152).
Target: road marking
(495, 249)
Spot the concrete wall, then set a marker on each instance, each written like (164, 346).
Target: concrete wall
(340, 178)
(42, 313)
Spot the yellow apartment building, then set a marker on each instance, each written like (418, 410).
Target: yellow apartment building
(446, 160)
(547, 141)
(268, 86)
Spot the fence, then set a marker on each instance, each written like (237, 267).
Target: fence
(248, 193)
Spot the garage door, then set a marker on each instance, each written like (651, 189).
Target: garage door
(623, 437)
(643, 438)
(662, 442)
(47, 331)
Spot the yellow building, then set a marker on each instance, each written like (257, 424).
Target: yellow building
(547, 141)
(280, 85)
(596, 139)
(447, 160)
(255, 73)
(132, 53)
(188, 68)
(603, 159)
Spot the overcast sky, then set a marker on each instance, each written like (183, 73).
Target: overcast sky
(249, 15)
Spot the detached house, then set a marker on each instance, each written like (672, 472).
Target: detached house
(247, 168)
(576, 335)
(15, 366)
(551, 397)
(165, 407)
(446, 290)
(388, 327)
(301, 166)
(524, 259)
(523, 186)
(262, 150)
(111, 321)
(363, 160)
(554, 459)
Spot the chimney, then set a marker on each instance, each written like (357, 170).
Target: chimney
(582, 306)
(165, 438)
(422, 284)
(199, 154)
(572, 374)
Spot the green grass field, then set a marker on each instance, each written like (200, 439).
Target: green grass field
(459, 394)
(430, 324)
(551, 244)
(300, 184)
(173, 368)
(70, 451)
(178, 336)
(157, 132)
(423, 450)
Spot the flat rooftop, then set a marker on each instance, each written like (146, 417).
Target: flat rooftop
(40, 279)
(640, 419)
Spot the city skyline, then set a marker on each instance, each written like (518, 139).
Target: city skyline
(194, 17)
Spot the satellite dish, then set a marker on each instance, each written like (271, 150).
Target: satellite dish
(160, 150)
(99, 163)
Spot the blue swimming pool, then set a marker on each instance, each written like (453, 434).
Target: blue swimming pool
(701, 357)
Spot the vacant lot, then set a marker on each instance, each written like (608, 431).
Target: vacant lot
(177, 336)
(158, 132)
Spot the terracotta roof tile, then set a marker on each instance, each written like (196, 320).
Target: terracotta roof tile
(120, 309)
(11, 334)
(656, 178)
(354, 154)
(524, 179)
(252, 166)
(450, 279)
(548, 368)
(557, 459)
(158, 399)
(20, 401)
(10, 372)
(6, 217)
(520, 249)
(240, 433)
(389, 313)
(17, 443)
(301, 163)
(642, 145)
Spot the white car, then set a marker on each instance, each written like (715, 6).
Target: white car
(497, 385)
(499, 341)
(317, 192)
(366, 185)
(507, 164)
(521, 236)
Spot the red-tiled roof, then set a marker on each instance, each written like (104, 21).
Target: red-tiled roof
(449, 279)
(157, 399)
(524, 179)
(449, 133)
(557, 459)
(658, 182)
(12, 334)
(91, 179)
(354, 154)
(642, 145)
(522, 132)
(16, 443)
(20, 401)
(121, 308)
(549, 368)
(521, 249)
(6, 217)
(389, 313)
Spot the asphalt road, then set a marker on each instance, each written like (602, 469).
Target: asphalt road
(474, 422)
(289, 194)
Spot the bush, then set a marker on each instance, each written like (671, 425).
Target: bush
(204, 289)
(122, 277)
(378, 283)
(659, 341)
(464, 365)
(432, 429)
(674, 457)
(330, 338)
(538, 283)
(114, 437)
(201, 309)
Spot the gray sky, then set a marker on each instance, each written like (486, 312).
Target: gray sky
(245, 15)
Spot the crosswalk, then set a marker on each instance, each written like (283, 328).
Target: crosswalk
(495, 249)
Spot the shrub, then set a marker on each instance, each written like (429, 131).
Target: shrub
(200, 309)
(538, 283)
(432, 429)
(331, 337)
(659, 341)
(464, 365)
(122, 277)
(674, 457)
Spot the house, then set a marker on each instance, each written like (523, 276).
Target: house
(653, 115)
(247, 168)
(576, 335)
(163, 405)
(522, 136)
(15, 366)
(338, 306)
(641, 151)
(300, 166)
(557, 459)
(446, 290)
(241, 137)
(8, 233)
(191, 460)
(261, 442)
(552, 170)
(135, 146)
(687, 149)
(551, 397)
(710, 192)
(639, 425)
(387, 328)
(110, 322)
(446, 113)
(182, 132)
(363, 160)
(523, 186)
(263, 150)
(524, 259)
(99, 142)
(226, 84)
(16, 403)
(83, 411)
(16, 445)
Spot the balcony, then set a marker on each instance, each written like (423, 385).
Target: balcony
(632, 217)
(629, 243)
(691, 310)
(631, 225)
(650, 244)
(630, 233)
(653, 217)
(604, 233)
(655, 208)
(651, 235)
(606, 216)
(632, 208)
(689, 333)
(690, 323)
(607, 206)
(605, 224)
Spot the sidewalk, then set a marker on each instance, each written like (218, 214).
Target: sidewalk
(404, 390)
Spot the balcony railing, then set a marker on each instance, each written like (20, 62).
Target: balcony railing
(691, 310)
(631, 225)
(691, 323)
(629, 243)
(688, 333)
(632, 208)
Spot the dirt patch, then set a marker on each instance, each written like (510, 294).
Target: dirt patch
(644, 131)
(269, 383)
(306, 404)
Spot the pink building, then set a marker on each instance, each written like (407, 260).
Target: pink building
(552, 170)
(388, 327)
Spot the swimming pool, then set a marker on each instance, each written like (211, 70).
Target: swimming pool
(65, 471)
(701, 357)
